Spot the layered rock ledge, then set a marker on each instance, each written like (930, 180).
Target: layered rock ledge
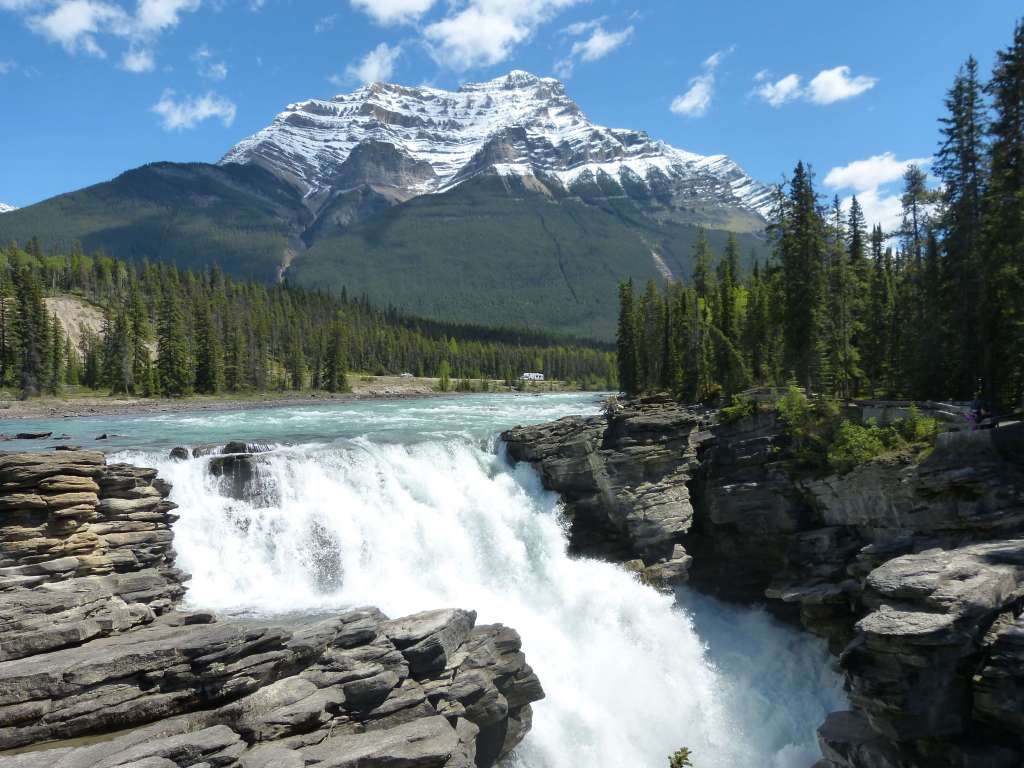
(100, 665)
(623, 477)
(913, 571)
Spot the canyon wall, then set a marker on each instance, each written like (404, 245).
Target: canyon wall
(913, 571)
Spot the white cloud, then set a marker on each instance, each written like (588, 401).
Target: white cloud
(696, 101)
(711, 62)
(78, 25)
(878, 208)
(581, 27)
(325, 23)
(875, 182)
(484, 32)
(832, 85)
(376, 66)
(826, 87)
(598, 44)
(190, 111)
(75, 23)
(7, 66)
(394, 11)
(877, 170)
(158, 15)
(781, 91)
(206, 66)
(138, 60)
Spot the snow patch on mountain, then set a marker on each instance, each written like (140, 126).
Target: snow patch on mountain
(515, 125)
(5, 208)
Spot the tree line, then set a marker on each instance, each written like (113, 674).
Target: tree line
(934, 309)
(174, 332)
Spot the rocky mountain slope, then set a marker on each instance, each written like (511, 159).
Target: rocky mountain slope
(101, 666)
(912, 571)
(498, 203)
(403, 142)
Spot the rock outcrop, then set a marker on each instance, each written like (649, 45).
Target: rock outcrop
(623, 478)
(912, 570)
(100, 666)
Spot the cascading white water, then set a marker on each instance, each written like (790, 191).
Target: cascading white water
(444, 522)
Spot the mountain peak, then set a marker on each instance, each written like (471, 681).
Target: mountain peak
(405, 141)
(515, 80)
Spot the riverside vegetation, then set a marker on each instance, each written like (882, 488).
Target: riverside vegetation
(172, 332)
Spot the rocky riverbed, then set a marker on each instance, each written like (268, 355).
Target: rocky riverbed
(101, 666)
(913, 571)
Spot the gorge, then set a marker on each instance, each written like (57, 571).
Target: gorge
(911, 568)
(237, 622)
(406, 506)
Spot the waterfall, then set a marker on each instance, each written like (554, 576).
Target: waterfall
(445, 521)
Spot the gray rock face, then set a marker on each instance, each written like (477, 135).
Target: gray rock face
(624, 482)
(914, 572)
(91, 643)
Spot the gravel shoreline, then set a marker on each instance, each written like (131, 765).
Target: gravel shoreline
(69, 409)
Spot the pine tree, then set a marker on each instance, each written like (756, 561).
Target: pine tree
(117, 353)
(335, 377)
(141, 335)
(31, 332)
(844, 356)
(801, 251)
(295, 360)
(209, 352)
(960, 166)
(650, 320)
(72, 365)
(55, 380)
(173, 364)
(1003, 297)
(629, 379)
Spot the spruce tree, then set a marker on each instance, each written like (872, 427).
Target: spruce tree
(55, 374)
(626, 340)
(960, 167)
(335, 377)
(30, 328)
(173, 366)
(1003, 298)
(801, 252)
(209, 352)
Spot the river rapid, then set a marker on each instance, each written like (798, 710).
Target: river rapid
(411, 504)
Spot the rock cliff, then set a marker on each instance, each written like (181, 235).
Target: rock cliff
(912, 570)
(100, 666)
(624, 482)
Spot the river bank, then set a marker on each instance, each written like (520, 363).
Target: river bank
(79, 405)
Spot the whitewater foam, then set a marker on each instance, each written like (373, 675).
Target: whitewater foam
(446, 522)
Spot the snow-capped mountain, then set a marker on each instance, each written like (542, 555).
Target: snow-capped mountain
(408, 141)
(5, 208)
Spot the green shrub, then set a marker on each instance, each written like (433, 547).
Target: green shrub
(810, 423)
(916, 429)
(741, 408)
(855, 444)
(795, 409)
(680, 759)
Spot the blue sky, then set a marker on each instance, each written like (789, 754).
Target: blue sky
(89, 88)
